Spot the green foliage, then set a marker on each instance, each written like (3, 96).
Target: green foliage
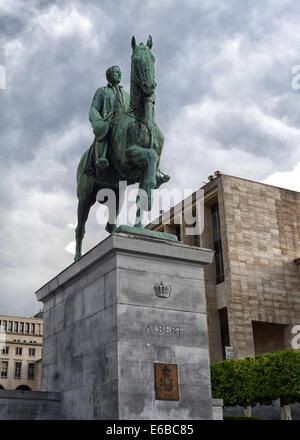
(258, 380)
(223, 382)
(285, 373)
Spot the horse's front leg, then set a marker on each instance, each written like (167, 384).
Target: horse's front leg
(114, 211)
(145, 159)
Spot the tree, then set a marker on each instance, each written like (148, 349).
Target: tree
(259, 380)
(245, 384)
(222, 379)
(285, 374)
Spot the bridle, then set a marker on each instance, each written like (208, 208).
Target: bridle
(129, 112)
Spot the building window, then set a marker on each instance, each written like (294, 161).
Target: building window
(18, 370)
(5, 350)
(27, 328)
(217, 243)
(31, 370)
(16, 326)
(4, 368)
(10, 326)
(31, 351)
(21, 327)
(5, 325)
(32, 329)
(18, 351)
(225, 341)
(178, 232)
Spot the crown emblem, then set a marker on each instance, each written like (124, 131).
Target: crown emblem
(162, 290)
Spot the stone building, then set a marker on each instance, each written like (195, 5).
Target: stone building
(253, 289)
(20, 353)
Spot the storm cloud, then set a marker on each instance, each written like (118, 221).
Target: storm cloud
(224, 100)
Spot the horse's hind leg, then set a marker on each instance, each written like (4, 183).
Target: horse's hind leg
(83, 210)
(111, 225)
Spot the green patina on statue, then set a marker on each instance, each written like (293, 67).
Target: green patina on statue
(128, 142)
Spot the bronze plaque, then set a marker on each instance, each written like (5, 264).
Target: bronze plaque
(166, 382)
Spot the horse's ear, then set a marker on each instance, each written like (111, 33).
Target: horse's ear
(149, 42)
(133, 42)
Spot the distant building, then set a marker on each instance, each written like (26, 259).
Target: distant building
(20, 353)
(253, 287)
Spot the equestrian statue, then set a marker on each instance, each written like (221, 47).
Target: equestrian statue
(128, 142)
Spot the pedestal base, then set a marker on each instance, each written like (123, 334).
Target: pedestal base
(133, 230)
(113, 317)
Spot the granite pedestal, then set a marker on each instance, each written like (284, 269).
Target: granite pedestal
(128, 304)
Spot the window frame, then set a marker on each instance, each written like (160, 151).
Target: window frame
(31, 351)
(4, 370)
(31, 368)
(19, 349)
(19, 369)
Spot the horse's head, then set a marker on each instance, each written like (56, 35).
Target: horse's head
(142, 66)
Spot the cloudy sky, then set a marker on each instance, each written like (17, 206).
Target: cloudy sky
(227, 99)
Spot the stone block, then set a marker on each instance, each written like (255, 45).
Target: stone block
(108, 327)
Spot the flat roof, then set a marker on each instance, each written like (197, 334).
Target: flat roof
(157, 221)
(252, 181)
(20, 317)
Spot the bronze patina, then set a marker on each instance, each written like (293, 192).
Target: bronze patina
(166, 382)
(128, 142)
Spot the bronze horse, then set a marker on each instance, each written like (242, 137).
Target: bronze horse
(134, 147)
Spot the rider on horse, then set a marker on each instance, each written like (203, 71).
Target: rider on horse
(107, 105)
(108, 102)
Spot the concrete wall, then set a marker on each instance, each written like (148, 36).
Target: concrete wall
(262, 241)
(104, 328)
(29, 405)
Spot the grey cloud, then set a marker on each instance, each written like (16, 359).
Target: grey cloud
(53, 69)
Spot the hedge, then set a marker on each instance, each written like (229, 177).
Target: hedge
(260, 379)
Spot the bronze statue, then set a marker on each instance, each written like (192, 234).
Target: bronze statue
(128, 142)
(106, 105)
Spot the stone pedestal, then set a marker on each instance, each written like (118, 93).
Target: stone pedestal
(129, 304)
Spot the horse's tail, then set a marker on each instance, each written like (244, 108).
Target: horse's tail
(85, 182)
(81, 166)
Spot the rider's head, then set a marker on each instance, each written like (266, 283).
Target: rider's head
(114, 75)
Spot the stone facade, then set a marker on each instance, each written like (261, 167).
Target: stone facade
(105, 328)
(21, 342)
(260, 236)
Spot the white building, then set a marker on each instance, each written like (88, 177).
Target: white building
(20, 353)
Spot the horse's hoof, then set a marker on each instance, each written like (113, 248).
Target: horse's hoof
(110, 228)
(160, 179)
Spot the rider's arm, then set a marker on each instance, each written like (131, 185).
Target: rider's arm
(94, 114)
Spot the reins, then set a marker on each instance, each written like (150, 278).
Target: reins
(132, 108)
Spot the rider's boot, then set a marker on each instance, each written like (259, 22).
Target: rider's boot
(100, 152)
(102, 163)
